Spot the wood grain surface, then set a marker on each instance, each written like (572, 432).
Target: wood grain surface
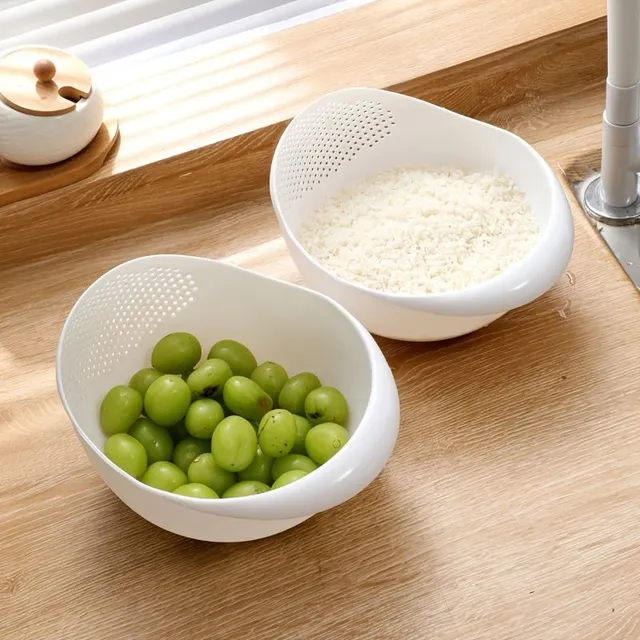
(190, 128)
(509, 509)
(223, 89)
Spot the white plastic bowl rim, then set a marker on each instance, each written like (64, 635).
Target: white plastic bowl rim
(331, 484)
(519, 284)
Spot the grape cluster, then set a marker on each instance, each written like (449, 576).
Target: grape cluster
(226, 427)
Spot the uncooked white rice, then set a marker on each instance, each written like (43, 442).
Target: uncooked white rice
(416, 231)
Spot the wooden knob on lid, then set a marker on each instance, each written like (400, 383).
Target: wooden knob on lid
(44, 70)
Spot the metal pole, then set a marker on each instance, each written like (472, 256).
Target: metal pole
(620, 120)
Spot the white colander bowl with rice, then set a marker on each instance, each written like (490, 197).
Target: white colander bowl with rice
(344, 138)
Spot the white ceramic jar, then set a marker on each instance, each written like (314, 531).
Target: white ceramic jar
(44, 122)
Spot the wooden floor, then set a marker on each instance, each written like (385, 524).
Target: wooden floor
(510, 508)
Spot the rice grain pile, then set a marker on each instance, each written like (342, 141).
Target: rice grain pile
(416, 231)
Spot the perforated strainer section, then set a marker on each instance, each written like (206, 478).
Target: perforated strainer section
(319, 142)
(112, 319)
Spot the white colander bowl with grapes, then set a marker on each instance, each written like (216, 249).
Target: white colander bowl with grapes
(346, 136)
(114, 325)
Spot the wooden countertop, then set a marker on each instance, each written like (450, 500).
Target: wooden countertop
(509, 509)
(188, 125)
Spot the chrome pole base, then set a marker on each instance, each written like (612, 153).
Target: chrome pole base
(595, 207)
(619, 227)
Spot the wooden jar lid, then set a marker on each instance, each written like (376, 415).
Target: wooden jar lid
(43, 82)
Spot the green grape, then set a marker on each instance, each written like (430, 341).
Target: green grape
(178, 431)
(302, 428)
(277, 433)
(167, 400)
(271, 377)
(142, 380)
(234, 444)
(245, 488)
(127, 453)
(156, 440)
(119, 409)
(295, 391)
(259, 470)
(288, 477)
(325, 440)
(326, 404)
(203, 417)
(204, 470)
(188, 450)
(238, 357)
(208, 379)
(164, 475)
(292, 462)
(195, 490)
(245, 398)
(177, 353)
